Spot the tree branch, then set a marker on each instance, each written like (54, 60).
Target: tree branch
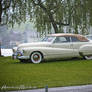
(34, 3)
(39, 3)
(6, 7)
(60, 23)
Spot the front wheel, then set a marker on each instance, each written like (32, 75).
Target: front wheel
(36, 57)
(88, 57)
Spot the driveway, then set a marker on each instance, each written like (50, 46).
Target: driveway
(83, 88)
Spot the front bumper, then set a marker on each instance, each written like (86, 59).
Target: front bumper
(19, 55)
(23, 57)
(16, 55)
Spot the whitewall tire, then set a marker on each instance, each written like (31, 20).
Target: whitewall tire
(88, 57)
(36, 57)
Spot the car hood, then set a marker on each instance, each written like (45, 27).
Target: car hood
(34, 44)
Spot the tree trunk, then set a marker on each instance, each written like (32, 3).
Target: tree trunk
(54, 24)
(49, 14)
(0, 11)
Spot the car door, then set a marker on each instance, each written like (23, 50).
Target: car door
(76, 45)
(62, 47)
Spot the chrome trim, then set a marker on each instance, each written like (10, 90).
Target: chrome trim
(17, 54)
(23, 57)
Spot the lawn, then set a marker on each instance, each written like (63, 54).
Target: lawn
(15, 75)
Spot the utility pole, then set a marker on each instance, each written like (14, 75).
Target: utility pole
(46, 88)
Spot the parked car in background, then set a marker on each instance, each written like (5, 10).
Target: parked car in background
(89, 37)
(54, 46)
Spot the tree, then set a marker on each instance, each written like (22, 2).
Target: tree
(4, 6)
(48, 14)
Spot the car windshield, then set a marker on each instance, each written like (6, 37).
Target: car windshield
(48, 39)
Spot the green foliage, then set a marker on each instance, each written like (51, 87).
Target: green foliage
(48, 14)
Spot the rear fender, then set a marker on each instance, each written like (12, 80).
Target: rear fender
(86, 50)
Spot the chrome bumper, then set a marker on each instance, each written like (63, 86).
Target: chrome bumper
(16, 55)
(23, 57)
(19, 55)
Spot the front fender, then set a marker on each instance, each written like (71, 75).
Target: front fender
(28, 51)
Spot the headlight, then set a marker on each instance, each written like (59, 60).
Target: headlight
(20, 53)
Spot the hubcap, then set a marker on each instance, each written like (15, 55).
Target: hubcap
(36, 57)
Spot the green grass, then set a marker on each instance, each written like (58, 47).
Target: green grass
(54, 74)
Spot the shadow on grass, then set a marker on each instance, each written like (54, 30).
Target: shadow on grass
(63, 60)
(51, 60)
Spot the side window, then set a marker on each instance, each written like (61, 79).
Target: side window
(74, 39)
(62, 40)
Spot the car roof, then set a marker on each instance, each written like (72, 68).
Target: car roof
(78, 36)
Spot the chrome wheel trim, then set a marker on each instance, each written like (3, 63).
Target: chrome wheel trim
(36, 57)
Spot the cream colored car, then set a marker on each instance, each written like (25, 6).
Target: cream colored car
(54, 46)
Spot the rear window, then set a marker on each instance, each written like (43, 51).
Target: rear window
(79, 39)
(75, 39)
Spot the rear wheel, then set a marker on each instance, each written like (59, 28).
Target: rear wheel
(36, 57)
(88, 57)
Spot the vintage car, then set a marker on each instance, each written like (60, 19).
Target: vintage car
(61, 45)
